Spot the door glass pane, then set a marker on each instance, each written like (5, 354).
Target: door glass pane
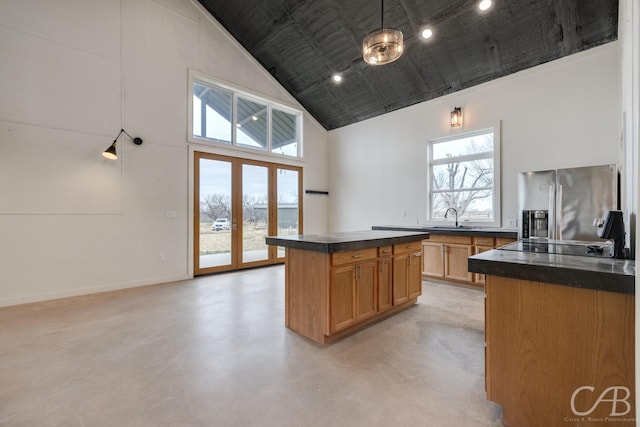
(252, 124)
(288, 196)
(211, 113)
(284, 133)
(215, 213)
(255, 212)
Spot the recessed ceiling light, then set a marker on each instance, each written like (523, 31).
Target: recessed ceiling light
(254, 118)
(427, 33)
(484, 4)
(337, 78)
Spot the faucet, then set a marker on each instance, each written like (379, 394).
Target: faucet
(456, 212)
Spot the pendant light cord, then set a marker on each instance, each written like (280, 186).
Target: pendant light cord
(381, 13)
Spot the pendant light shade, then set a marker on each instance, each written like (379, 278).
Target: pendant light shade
(384, 45)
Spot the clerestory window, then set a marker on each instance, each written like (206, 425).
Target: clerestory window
(222, 115)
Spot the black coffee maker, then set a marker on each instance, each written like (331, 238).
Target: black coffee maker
(612, 228)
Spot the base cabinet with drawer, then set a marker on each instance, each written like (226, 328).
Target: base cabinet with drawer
(407, 275)
(344, 291)
(445, 256)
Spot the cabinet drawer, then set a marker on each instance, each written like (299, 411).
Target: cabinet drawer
(385, 251)
(461, 240)
(500, 241)
(349, 257)
(405, 248)
(483, 241)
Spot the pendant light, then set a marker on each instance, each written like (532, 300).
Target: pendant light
(384, 45)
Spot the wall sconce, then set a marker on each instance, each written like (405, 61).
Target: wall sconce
(456, 117)
(110, 153)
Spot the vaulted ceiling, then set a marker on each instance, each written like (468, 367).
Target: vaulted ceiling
(302, 43)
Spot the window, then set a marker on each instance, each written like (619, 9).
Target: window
(464, 174)
(212, 113)
(223, 115)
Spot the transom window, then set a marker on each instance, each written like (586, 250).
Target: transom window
(225, 116)
(464, 174)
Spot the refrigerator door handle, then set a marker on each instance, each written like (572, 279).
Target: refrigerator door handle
(558, 210)
(551, 226)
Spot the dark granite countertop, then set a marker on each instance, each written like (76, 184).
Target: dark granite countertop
(452, 231)
(596, 273)
(347, 241)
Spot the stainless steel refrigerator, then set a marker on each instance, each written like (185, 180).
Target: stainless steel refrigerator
(572, 199)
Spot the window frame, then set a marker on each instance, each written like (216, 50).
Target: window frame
(497, 186)
(197, 77)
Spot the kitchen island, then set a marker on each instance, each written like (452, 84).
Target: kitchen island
(338, 283)
(559, 332)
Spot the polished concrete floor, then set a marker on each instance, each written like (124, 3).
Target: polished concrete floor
(214, 352)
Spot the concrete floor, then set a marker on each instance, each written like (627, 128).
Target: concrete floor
(214, 352)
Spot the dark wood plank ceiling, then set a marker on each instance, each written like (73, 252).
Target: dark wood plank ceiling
(302, 43)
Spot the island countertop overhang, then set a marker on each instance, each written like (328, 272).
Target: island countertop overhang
(603, 274)
(346, 241)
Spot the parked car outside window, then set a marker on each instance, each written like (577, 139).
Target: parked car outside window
(220, 224)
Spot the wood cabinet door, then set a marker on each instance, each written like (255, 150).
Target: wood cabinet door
(400, 279)
(432, 259)
(366, 290)
(455, 262)
(385, 280)
(415, 275)
(342, 298)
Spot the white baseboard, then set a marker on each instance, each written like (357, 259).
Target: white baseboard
(27, 299)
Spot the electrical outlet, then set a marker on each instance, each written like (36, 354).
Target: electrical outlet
(161, 258)
(170, 214)
(512, 223)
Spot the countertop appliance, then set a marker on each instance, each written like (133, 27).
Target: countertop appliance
(572, 198)
(612, 228)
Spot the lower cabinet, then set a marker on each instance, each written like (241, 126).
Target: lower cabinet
(407, 272)
(400, 280)
(385, 281)
(365, 283)
(433, 258)
(353, 294)
(455, 262)
(415, 275)
(445, 256)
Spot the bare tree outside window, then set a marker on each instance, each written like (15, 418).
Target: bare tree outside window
(214, 206)
(462, 177)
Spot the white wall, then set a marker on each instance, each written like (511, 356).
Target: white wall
(72, 222)
(561, 114)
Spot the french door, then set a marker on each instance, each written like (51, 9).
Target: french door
(237, 204)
